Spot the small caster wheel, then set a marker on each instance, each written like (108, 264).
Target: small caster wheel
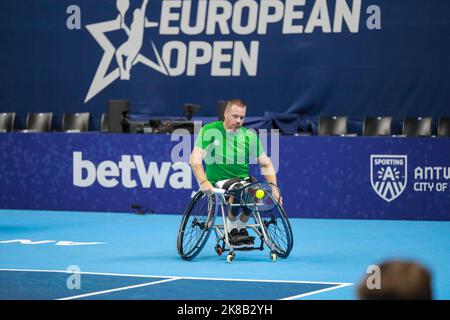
(230, 257)
(273, 256)
(219, 250)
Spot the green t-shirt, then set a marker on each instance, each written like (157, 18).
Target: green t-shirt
(228, 155)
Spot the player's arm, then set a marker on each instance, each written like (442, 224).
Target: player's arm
(144, 6)
(127, 30)
(124, 26)
(268, 171)
(196, 162)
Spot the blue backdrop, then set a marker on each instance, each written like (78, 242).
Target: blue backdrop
(320, 177)
(392, 59)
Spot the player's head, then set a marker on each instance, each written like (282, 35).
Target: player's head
(399, 280)
(234, 114)
(122, 6)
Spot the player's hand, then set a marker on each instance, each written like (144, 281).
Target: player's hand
(276, 195)
(206, 187)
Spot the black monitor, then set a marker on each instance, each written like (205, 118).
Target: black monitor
(118, 110)
(169, 126)
(221, 106)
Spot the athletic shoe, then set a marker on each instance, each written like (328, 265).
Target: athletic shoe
(245, 238)
(236, 240)
(233, 235)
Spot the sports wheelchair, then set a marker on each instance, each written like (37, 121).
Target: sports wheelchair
(270, 222)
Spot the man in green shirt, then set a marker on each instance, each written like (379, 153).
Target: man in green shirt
(226, 148)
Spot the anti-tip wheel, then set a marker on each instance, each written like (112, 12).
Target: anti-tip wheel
(273, 256)
(230, 257)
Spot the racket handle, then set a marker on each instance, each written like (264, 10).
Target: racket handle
(218, 190)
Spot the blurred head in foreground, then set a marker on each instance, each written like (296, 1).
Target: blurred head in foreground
(398, 280)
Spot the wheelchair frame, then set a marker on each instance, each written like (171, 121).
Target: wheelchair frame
(223, 236)
(221, 230)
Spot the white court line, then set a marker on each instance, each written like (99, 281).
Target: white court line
(271, 281)
(178, 277)
(316, 292)
(117, 289)
(91, 273)
(338, 285)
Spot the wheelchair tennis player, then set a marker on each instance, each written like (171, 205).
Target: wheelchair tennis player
(226, 148)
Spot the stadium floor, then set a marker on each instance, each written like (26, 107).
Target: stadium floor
(128, 256)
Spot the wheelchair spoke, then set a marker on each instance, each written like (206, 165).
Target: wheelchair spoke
(196, 226)
(278, 230)
(192, 233)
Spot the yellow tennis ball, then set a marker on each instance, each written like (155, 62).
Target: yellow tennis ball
(260, 194)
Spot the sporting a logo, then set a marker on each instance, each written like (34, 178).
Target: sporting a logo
(219, 35)
(128, 54)
(388, 175)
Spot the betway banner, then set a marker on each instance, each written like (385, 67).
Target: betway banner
(319, 177)
(346, 57)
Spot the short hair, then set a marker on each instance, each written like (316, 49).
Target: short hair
(400, 280)
(237, 102)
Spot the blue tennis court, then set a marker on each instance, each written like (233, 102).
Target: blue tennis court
(127, 256)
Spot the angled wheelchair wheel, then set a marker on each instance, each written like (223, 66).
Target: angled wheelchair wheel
(196, 225)
(278, 230)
